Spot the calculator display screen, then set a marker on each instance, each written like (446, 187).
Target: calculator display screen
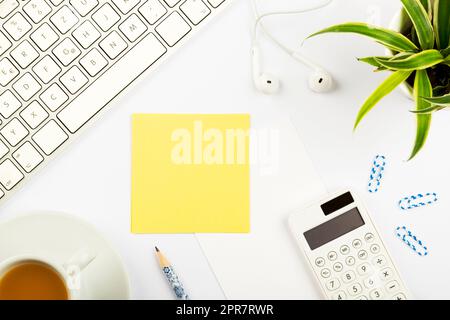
(334, 228)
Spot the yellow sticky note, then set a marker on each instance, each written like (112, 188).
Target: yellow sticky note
(190, 173)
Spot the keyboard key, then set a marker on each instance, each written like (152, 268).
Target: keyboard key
(64, 19)
(10, 176)
(173, 29)
(125, 6)
(5, 44)
(34, 115)
(54, 97)
(86, 34)
(7, 7)
(117, 78)
(8, 104)
(46, 69)
(83, 7)
(14, 132)
(24, 54)
(93, 62)
(8, 71)
(56, 2)
(195, 10)
(28, 157)
(171, 3)
(17, 26)
(27, 86)
(74, 80)
(215, 3)
(333, 284)
(133, 28)
(44, 37)
(66, 51)
(152, 11)
(113, 45)
(376, 294)
(3, 149)
(106, 17)
(37, 10)
(50, 137)
(355, 289)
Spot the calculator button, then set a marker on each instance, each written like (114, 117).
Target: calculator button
(399, 296)
(332, 255)
(341, 295)
(356, 243)
(375, 248)
(348, 277)
(376, 294)
(345, 250)
(371, 282)
(355, 289)
(379, 261)
(364, 269)
(320, 262)
(392, 287)
(369, 237)
(325, 273)
(333, 284)
(386, 274)
(338, 267)
(350, 261)
(362, 254)
(362, 298)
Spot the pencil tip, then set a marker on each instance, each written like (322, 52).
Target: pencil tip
(156, 248)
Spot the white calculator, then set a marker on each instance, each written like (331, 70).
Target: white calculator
(345, 251)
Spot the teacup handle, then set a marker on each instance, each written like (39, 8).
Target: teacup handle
(74, 266)
(80, 260)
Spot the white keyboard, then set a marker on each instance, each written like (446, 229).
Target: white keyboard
(62, 62)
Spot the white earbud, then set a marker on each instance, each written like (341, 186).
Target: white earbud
(264, 82)
(320, 81)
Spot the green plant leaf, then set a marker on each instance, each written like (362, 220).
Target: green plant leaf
(427, 110)
(371, 61)
(445, 52)
(383, 90)
(422, 88)
(421, 21)
(443, 101)
(428, 7)
(391, 39)
(419, 61)
(447, 61)
(442, 22)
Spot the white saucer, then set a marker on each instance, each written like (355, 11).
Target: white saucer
(58, 236)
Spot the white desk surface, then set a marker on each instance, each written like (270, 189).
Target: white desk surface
(212, 75)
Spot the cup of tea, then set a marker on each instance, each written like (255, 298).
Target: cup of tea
(29, 277)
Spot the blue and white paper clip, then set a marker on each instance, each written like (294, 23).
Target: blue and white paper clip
(376, 173)
(416, 201)
(411, 241)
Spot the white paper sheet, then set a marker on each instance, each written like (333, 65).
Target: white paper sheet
(266, 264)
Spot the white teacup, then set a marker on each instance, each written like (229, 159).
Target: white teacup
(70, 272)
